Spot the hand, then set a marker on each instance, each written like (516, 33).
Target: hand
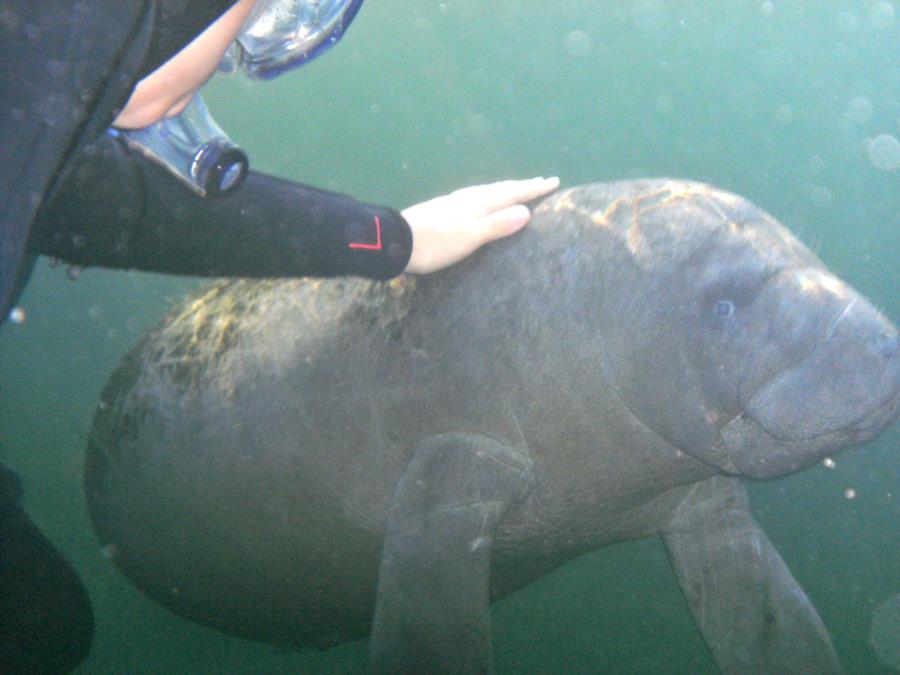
(447, 229)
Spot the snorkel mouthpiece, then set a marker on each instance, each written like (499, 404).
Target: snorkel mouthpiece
(192, 147)
(220, 166)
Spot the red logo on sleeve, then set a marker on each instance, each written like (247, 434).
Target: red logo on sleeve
(371, 246)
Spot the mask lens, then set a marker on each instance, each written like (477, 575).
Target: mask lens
(283, 34)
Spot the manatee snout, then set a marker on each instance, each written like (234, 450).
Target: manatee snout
(842, 389)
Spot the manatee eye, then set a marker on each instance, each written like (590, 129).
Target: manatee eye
(723, 308)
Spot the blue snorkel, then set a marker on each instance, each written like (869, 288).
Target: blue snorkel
(277, 36)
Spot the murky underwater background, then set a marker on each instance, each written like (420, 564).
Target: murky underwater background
(793, 104)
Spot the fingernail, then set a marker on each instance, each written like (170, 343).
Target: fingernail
(554, 180)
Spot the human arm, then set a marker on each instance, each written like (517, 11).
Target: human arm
(119, 209)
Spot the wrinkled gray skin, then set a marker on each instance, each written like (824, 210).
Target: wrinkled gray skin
(306, 462)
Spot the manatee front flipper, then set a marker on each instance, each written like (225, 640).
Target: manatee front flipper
(751, 611)
(432, 607)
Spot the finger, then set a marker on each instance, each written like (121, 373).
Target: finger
(486, 199)
(498, 224)
(482, 200)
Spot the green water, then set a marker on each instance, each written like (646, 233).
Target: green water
(774, 100)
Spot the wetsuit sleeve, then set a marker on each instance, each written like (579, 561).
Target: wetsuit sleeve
(119, 209)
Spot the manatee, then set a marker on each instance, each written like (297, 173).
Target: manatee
(305, 462)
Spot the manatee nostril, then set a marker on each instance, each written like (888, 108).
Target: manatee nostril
(887, 344)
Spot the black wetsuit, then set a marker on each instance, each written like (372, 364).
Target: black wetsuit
(46, 624)
(69, 190)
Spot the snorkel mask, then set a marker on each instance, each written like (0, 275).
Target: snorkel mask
(278, 35)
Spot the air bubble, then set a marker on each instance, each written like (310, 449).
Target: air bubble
(478, 124)
(883, 152)
(882, 15)
(664, 104)
(649, 16)
(859, 110)
(816, 164)
(821, 197)
(17, 315)
(850, 493)
(767, 8)
(577, 43)
(784, 115)
(847, 22)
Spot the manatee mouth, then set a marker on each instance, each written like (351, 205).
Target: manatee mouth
(842, 390)
(856, 431)
(755, 451)
(760, 412)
